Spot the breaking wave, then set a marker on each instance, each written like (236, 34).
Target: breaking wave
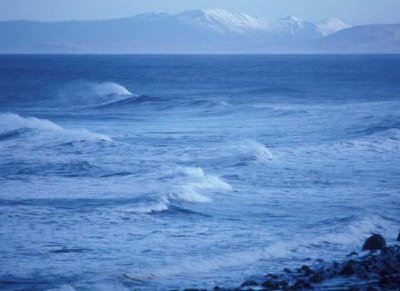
(13, 126)
(196, 183)
(91, 94)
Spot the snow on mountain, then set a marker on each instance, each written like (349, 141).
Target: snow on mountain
(331, 25)
(223, 21)
(196, 31)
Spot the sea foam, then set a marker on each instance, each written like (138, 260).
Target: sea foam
(43, 127)
(85, 94)
(196, 182)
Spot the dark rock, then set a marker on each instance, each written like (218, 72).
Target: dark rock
(270, 285)
(398, 237)
(371, 271)
(374, 242)
(390, 280)
(347, 269)
(301, 284)
(249, 283)
(384, 272)
(306, 270)
(383, 281)
(307, 285)
(297, 285)
(272, 276)
(317, 277)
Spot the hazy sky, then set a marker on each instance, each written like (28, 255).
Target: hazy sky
(353, 11)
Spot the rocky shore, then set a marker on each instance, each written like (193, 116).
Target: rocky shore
(379, 269)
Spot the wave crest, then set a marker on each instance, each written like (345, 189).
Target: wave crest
(196, 183)
(13, 126)
(91, 94)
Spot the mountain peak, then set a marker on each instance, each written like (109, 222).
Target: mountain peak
(223, 21)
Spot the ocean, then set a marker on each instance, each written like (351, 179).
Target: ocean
(160, 172)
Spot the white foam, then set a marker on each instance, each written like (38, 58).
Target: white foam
(357, 231)
(12, 121)
(296, 248)
(253, 148)
(196, 181)
(109, 88)
(196, 265)
(151, 207)
(92, 94)
(85, 134)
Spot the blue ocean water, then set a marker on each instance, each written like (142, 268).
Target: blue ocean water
(162, 172)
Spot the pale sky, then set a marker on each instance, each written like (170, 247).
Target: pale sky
(352, 11)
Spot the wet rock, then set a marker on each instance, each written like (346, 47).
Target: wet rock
(249, 283)
(307, 285)
(372, 271)
(347, 269)
(270, 285)
(383, 281)
(272, 276)
(306, 270)
(392, 280)
(317, 277)
(374, 242)
(301, 284)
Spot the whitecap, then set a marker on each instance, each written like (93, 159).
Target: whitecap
(195, 183)
(47, 129)
(91, 94)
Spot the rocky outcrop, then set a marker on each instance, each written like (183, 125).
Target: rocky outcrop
(378, 269)
(374, 242)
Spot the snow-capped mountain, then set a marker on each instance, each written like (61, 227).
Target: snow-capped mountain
(196, 31)
(223, 21)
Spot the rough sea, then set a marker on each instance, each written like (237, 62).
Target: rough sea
(162, 172)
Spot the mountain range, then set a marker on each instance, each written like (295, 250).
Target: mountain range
(198, 31)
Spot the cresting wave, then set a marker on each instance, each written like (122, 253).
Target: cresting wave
(195, 183)
(255, 149)
(190, 185)
(13, 126)
(111, 95)
(91, 94)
